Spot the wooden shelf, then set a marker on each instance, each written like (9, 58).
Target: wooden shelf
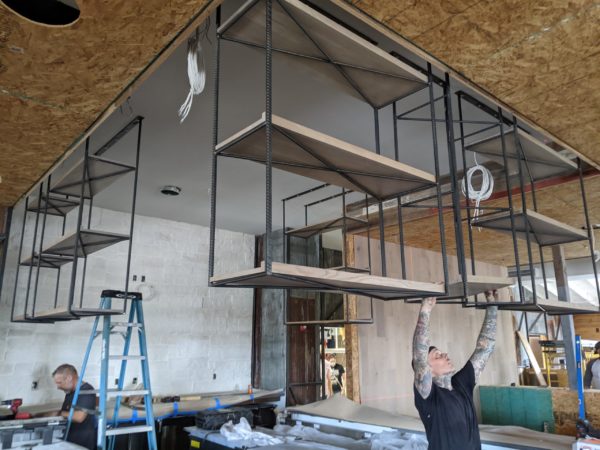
(289, 276)
(61, 313)
(348, 269)
(57, 206)
(89, 312)
(542, 229)
(315, 155)
(543, 161)
(47, 261)
(552, 307)
(102, 173)
(479, 284)
(323, 227)
(90, 242)
(378, 77)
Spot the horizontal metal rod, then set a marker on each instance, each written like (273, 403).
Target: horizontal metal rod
(476, 132)
(416, 108)
(424, 119)
(120, 134)
(308, 191)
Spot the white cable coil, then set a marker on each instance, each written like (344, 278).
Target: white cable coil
(485, 190)
(196, 74)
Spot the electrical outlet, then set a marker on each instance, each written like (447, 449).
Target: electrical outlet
(143, 278)
(134, 381)
(214, 376)
(135, 278)
(34, 385)
(116, 381)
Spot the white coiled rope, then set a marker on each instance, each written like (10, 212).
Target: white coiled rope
(485, 190)
(196, 74)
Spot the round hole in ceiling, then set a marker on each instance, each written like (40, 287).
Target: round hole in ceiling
(45, 12)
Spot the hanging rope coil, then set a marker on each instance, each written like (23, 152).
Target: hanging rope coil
(196, 74)
(485, 190)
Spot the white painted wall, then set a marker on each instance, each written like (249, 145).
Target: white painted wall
(193, 332)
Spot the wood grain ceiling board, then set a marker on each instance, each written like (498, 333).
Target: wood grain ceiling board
(55, 82)
(539, 57)
(560, 202)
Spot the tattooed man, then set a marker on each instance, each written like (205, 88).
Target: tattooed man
(443, 397)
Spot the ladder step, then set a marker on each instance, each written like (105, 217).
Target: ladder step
(126, 324)
(128, 357)
(129, 430)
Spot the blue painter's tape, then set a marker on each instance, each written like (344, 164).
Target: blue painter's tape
(217, 403)
(134, 415)
(175, 408)
(252, 397)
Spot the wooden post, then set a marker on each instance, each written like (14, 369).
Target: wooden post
(568, 328)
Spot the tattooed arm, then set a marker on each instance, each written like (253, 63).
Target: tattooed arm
(486, 340)
(423, 377)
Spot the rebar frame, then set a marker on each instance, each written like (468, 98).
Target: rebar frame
(41, 212)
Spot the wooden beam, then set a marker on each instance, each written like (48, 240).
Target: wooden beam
(532, 360)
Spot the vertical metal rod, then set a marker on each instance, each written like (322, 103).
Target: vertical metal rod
(269, 135)
(381, 218)
(323, 371)
(464, 161)
(520, 157)
(285, 236)
(41, 247)
(78, 229)
(14, 299)
(588, 225)
(344, 249)
(35, 230)
(436, 158)
(526, 325)
(84, 271)
(213, 183)
(399, 198)
(368, 236)
(132, 223)
(6, 231)
(510, 206)
(64, 223)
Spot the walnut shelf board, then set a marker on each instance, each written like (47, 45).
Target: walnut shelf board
(543, 162)
(379, 77)
(56, 206)
(90, 241)
(102, 173)
(552, 307)
(323, 227)
(542, 229)
(478, 284)
(301, 277)
(362, 170)
(48, 261)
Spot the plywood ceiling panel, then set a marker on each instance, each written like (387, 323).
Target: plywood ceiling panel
(55, 82)
(539, 57)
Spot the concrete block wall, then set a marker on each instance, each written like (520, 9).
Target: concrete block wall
(199, 338)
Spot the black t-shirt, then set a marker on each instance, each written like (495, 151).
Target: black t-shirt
(449, 416)
(337, 383)
(84, 433)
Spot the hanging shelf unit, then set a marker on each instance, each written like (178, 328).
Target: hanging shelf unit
(315, 155)
(81, 182)
(299, 30)
(293, 28)
(541, 229)
(541, 160)
(551, 307)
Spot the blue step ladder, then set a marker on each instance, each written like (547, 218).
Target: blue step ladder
(108, 427)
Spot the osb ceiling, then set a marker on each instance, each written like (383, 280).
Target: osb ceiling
(540, 57)
(55, 82)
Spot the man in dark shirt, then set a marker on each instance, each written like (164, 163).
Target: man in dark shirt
(83, 425)
(443, 397)
(338, 376)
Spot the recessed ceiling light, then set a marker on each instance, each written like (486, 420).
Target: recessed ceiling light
(170, 190)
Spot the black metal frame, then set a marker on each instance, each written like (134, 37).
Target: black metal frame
(44, 192)
(525, 180)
